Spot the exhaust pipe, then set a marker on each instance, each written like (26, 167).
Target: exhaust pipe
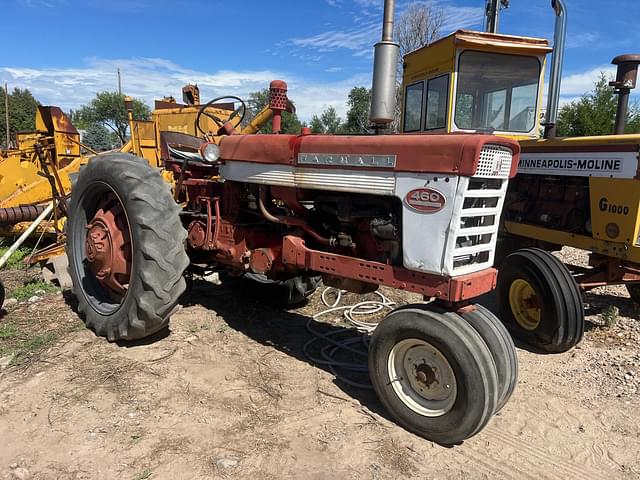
(625, 81)
(557, 60)
(492, 14)
(385, 61)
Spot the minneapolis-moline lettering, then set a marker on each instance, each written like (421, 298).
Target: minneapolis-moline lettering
(596, 164)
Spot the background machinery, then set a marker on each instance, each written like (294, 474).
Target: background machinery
(414, 212)
(579, 192)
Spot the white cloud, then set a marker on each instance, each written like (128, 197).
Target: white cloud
(153, 78)
(367, 25)
(577, 84)
(582, 40)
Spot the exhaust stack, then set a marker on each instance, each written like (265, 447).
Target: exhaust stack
(625, 81)
(492, 14)
(557, 60)
(385, 61)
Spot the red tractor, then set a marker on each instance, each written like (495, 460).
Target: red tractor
(413, 212)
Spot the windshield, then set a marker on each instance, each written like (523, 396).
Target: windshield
(496, 92)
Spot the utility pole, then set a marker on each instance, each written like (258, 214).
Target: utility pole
(6, 110)
(119, 83)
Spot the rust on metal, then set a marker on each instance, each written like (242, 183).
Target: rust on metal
(108, 247)
(625, 81)
(26, 213)
(450, 289)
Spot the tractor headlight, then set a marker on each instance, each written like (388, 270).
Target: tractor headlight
(210, 153)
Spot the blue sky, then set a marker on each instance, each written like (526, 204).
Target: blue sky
(67, 50)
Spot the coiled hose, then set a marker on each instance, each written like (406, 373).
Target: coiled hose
(352, 343)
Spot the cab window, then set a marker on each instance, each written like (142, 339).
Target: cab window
(496, 92)
(413, 100)
(437, 100)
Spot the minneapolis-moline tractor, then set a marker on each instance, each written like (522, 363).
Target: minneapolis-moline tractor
(579, 192)
(413, 212)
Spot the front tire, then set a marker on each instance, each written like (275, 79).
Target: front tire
(434, 373)
(501, 346)
(539, 301)
(125, 245)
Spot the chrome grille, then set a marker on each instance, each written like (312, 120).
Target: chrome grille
(475, 239)
(495, 161)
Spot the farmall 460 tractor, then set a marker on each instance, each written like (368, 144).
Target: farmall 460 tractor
(413, 212)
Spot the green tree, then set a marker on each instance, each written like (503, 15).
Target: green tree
(22, 112)
(316, 125)
(595, 112)
(98, 137)
(108, 109)
(359, 104)
(258, 100)
(327, 122)
(331, 121)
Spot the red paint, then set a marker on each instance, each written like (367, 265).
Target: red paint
(425, 200)
(448, 154)
(453, 290)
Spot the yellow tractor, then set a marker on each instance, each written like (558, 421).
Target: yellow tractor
(579, 192)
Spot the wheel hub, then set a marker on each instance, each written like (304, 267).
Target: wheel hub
(426, 374)
(422, 377)
(524, 304)
(108, 247)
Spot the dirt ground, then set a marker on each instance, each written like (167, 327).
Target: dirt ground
(229, 393)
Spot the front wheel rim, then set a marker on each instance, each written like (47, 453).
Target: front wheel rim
(422, 377)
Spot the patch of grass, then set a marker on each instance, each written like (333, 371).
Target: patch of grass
(28, 290)
(15, 260)
(18, 344)
(143, 475)
(30, 346)
(8, 330)
(609, 316)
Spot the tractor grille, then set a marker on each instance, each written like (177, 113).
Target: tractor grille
(475, 239)
(495, 161)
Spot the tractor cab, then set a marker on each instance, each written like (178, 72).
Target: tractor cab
(475, 82)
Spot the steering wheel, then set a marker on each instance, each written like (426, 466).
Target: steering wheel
(218, 121)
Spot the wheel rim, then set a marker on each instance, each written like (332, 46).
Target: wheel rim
(524, 304)
(108, 247)
(422, 377)
(100, 237)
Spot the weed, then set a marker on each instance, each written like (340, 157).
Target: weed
(609, 316)
(30, 346)
(28, 290)
(15, 260)
(8, 330)
(143, 475)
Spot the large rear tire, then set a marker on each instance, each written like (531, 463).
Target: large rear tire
(434, 373)
(539, 301)
(125, 245)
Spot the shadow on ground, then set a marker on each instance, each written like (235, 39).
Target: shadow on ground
(283, 330)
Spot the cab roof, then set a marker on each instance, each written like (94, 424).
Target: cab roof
(490, 41)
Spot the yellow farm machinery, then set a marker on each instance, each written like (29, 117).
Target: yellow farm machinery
(579, 192)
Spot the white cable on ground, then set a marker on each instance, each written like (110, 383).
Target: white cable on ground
(346, 341)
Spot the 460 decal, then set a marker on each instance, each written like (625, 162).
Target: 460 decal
(425, 200)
